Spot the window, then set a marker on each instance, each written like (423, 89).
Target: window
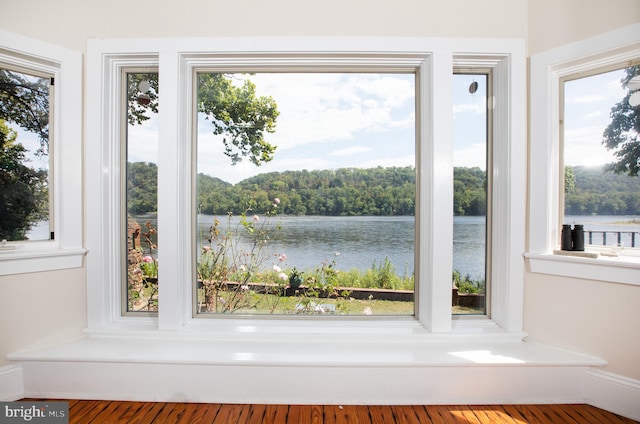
(605, 203)
(471, 142)
(42, 137)
(141, 223)
(318, 217)
(183, 157)
(24, 120)
(549, 71)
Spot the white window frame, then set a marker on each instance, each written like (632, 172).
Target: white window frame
(547, 72)
(176, 58)
(65, 174)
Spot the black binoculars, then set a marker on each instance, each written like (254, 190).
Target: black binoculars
(572, 238)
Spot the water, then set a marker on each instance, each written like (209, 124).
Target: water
(359, 242)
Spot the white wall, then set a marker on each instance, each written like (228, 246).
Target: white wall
(592, 317)
(36, 309)
(71, 22)
(553, 23)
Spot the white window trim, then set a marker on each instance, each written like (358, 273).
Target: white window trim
(66, 250)
(175, 58)
(547, 70)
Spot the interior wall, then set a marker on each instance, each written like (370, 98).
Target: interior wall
(71, 22)
(554, 23)
(592, 317)
(38, 309)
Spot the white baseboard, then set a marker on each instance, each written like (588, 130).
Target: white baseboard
(613, 392)
(11, 383)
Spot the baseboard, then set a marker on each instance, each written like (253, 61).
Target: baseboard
(11, 383)
(613, 393)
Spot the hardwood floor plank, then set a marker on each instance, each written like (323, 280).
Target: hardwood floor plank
(464, 412)
(298, 414)
(256, 414)
(381, 414)
(153, 409)
(317, 414)
(516, 414)
(228, 414)
(405, 415)
(205, 414)
(441, 414)
(90, 413)
(492, 414)
(364, 417)
(423, 415)
(275, 414)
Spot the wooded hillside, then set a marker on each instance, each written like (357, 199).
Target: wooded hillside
(373, 191)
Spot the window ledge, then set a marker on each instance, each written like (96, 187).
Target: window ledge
(297, 353)
(620, 269)
(25, 259)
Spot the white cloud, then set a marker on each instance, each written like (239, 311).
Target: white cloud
(350, 151)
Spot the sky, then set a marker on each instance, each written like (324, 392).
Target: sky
(330, 121)
(588, 102)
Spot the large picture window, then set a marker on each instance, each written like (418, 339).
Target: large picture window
(304, 185)
(302, 208)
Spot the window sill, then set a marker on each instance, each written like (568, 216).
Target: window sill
(27, 259)
(620, 269)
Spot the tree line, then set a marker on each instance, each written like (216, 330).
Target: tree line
(373, 191)
(340, 192)
(592, 191)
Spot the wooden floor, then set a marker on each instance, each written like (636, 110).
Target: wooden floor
(94, 412)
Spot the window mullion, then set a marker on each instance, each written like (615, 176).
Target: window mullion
(173, 204)
(436, 193)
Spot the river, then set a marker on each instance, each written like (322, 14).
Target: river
(359, 242)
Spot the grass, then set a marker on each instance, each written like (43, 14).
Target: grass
(300, 305)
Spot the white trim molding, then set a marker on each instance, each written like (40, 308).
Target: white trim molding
(11, 383)
(612, 392)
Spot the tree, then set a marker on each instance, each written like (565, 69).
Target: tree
(23, 190)
(621, 135)
(24, 100)
(235, 112)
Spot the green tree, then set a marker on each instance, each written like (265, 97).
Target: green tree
(621, 135)
(24, 100)
(234, 111)
(23, 190)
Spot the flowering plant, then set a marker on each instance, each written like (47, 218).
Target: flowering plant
(234, 255)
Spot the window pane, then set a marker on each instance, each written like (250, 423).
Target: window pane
(600, 139)
(305, 193)
(24, 156)
(470, 193)
(141, 193)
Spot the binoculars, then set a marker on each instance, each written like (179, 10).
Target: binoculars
(572, 238)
